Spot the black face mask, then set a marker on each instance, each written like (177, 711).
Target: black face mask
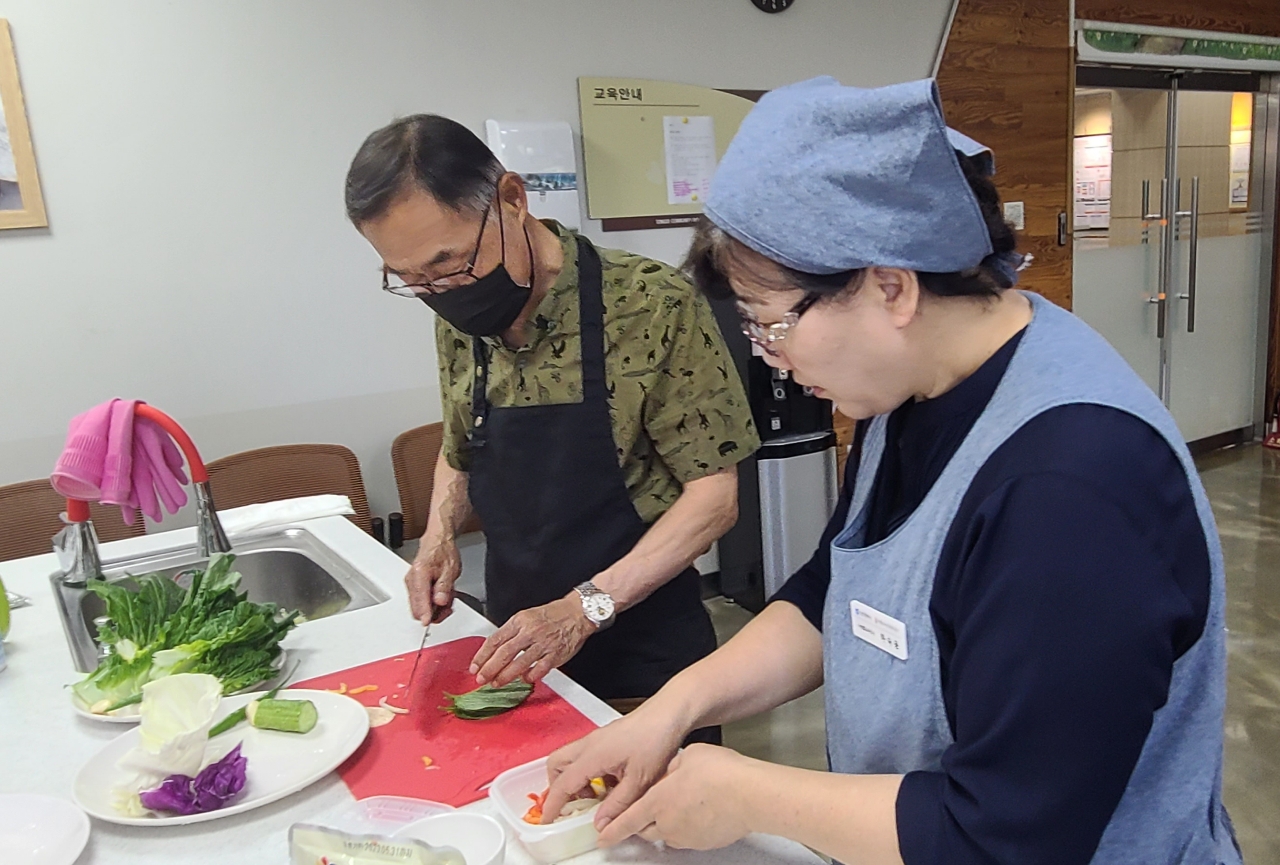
(488, 306)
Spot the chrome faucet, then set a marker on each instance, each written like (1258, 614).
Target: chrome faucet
(77, 547)
(210, 538)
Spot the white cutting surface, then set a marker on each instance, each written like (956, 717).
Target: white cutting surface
(43, 743)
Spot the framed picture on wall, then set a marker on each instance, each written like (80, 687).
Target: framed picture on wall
(21, 204)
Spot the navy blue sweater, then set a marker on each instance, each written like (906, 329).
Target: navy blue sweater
(1074, 574)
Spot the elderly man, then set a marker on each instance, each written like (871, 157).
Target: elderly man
(593, 418)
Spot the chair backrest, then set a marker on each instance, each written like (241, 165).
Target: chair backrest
(286, 472)
(29, 518)
(413, 456)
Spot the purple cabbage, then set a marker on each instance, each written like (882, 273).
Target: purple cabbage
(215, 786)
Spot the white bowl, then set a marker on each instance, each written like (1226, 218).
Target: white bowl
(382, 815)
(41, 830)
(481, 840)
(551, 843)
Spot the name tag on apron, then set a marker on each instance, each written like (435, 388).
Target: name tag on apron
(882, 631)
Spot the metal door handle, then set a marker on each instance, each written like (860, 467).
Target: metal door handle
(1194, 254)
(1062, 228)
(1147, 215)
(1163, 279)
(1146, 204)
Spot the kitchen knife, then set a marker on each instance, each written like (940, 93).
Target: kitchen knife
(426, 632)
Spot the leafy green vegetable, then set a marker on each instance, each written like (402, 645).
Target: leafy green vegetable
(161, 629)
(487, 701)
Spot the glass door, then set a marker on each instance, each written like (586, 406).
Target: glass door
(1119, 167)
(1217, 267)
(1169, 235)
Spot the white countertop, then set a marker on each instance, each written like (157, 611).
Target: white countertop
(43, 743)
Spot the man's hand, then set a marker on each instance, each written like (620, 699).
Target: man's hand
(430, 580)
(533, 643)
(636, 750)
(701, 804)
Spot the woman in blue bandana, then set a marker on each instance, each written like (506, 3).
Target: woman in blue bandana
(1017, 609)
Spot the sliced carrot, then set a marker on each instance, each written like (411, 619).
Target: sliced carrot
(534, 814)
(361, 690)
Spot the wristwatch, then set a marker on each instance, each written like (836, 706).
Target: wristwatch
(597, 606)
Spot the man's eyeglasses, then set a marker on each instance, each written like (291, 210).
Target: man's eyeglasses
(397, 286)
(765, 335)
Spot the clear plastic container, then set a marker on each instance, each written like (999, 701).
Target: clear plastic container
(548, 844)
(382, 815)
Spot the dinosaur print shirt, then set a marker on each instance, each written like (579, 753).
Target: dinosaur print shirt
(678, 406)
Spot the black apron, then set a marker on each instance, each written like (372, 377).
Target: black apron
(546, 483)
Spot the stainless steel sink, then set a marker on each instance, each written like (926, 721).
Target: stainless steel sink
(289, 568)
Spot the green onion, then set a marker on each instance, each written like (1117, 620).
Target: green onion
(127, 701)
(240, 714)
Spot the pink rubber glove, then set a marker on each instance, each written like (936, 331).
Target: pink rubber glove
(78, 473)
(143, 495)
(117, 471)
(164, 463)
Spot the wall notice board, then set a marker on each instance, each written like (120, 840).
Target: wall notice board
(649, 147)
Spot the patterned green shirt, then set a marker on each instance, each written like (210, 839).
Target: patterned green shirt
(678, 406)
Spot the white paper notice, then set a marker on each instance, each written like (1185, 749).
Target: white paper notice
(542, 153)
(690, 144)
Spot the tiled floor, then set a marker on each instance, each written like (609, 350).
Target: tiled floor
(1244, 485)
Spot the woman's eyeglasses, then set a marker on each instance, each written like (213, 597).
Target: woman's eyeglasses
(765, 335)
(400, 288)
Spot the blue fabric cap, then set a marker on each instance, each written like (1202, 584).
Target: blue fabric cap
(980, 152)
(824, 178)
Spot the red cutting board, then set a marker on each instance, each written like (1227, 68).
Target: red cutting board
(465, 755)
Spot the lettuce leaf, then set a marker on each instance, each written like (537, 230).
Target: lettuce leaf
(177, 712)
(161, 630)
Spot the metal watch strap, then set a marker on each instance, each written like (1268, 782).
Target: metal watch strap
(586, 590)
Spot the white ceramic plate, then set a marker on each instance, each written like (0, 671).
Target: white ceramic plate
(41, 830)
(129, 714)
(279, 763)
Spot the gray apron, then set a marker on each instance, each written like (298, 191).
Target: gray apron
(886, 715)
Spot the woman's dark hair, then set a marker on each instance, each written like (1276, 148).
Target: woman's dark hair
(434, 153)
(713, 252)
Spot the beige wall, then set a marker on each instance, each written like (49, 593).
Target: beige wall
(1093, 112)
(192, 156)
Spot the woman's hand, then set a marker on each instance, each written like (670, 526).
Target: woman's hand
(702, 803)
(636, 750)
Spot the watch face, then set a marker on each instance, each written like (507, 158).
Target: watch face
(599, 608)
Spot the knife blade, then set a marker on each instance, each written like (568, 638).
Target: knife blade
(426, 632)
